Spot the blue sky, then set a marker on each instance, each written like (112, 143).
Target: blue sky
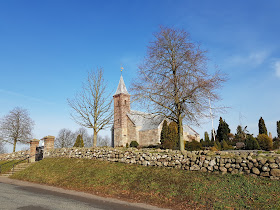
(47, 48)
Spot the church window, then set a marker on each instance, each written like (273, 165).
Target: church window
(124, 102)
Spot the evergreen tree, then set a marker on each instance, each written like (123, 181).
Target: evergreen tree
(265, 142)
(278, 128)
(193, 146)
(217, 145)
(276, 143)
(173, 135)
(251, 143)
(169, 136)
(164, 132)
(240, 135)
(206, 142)
(262, 127)
(206, 136)
(79, 141)
(225, 146)
(223, 130)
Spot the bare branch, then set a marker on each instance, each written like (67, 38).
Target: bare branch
(173, 79)
(92, 107)
(16, 127)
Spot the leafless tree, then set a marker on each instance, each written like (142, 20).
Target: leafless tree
(65, 138)
(2, 148)
(174, 79)
(86, 138)
(92, 107)
(103, 141)
(16, 127)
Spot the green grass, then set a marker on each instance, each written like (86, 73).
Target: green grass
(8, 165)
(173, 188)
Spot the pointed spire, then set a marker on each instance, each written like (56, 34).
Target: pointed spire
(121, 88)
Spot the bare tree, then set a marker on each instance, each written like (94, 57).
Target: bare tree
(65, 138)
(103, 141)
(86, 138)
(92, 107)
(16, 127)
(174, 80)
(2, 148)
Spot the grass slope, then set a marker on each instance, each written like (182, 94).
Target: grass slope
(173, 188)
(7, 165)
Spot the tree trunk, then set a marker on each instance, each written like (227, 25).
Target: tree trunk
(180, 133)
(15, 142)
(94, 138)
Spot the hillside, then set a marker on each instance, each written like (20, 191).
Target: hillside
(173, 188)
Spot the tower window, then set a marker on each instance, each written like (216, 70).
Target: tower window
(125, 102)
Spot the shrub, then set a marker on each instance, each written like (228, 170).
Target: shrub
(251, 143)
(134, 144)
(214, 149)
(79, 141)
(193, 145)
(276, 143)
(265, 142)
(225, 145)
(217, 145)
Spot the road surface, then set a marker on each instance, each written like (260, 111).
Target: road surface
(15, 194)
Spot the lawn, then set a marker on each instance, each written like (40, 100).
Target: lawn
(7, 165)
(173, 188)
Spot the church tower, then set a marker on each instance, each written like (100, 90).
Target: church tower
(121, 108)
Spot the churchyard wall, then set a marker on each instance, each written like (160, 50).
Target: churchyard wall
(244, 162)
(15, 155)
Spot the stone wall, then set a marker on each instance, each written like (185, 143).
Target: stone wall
(15, 155)
(252, 163)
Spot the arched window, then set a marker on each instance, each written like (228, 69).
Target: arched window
(124, 102)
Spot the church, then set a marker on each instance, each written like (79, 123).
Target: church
(130, 125)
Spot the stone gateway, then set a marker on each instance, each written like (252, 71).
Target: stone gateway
(138, 126)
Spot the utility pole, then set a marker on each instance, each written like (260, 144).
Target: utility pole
(213, 133)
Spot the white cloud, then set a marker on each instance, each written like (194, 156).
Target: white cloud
(253, 59)
(25, 96)
(276, 66)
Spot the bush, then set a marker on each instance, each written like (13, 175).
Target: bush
(265, 142)
(79, 141)
(217, 145)
(214, 149)
(251, 143)
(276, 143)
(134, 144)
(225, 146)
(193, 145)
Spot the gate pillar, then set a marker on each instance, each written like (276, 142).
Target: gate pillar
(33, 144)
(48, 144)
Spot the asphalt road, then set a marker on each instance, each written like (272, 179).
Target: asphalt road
(15, 194)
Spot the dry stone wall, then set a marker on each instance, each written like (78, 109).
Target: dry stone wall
(15, 155)
(251, 163)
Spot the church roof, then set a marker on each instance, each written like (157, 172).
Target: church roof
(145, 120)
(121, 88)
(189, 130)
(150, 121)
